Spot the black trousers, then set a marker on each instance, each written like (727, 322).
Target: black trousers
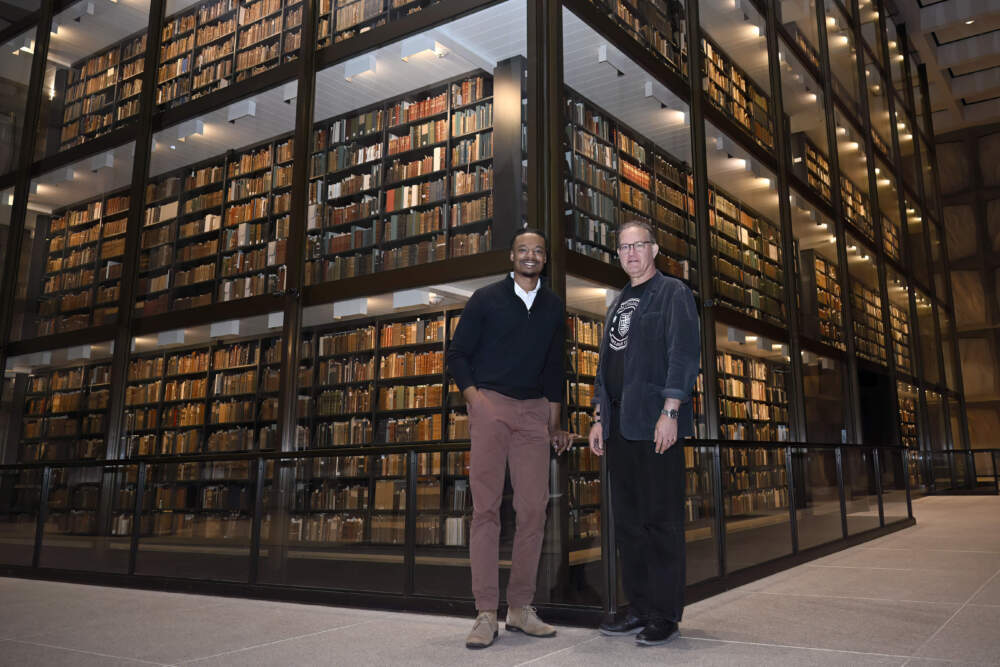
(647, 500)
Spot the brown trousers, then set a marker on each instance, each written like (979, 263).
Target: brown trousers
(506, 430)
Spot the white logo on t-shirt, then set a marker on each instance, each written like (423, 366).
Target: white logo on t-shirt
(621, 323)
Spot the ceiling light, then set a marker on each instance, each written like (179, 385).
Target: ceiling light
(970, 21)
(358, 66)
(611, 58)
(420, 44)
(190, 128)
(241, 109)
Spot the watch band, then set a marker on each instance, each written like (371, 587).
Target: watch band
(670, 413)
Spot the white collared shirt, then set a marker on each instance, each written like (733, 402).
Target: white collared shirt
(524, 295)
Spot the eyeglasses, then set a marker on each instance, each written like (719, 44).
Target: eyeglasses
(638, 246)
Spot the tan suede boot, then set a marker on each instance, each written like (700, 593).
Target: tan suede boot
(484, 632)
(525, 619)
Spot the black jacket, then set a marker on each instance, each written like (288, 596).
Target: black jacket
(661, 361)
(501, 345)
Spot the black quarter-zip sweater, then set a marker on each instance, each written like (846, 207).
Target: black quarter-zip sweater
(501, 345)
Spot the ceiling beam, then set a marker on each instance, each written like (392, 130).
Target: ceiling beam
(943, 14)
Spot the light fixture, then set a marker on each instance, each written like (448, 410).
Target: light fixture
(350, 307)
(79, 10)
(410, 297)
(418, 44)
(290, 91)
(821, 225)
(241, 109)
(104, 160)
(611, 58)
(26, 44)
(358, 66)
(277, 320)
(852, 248)
(970, 21)
(224, 328)
(173, 337)
(734, 335)
(190, 128)
(833, 239)
(751, 338)
(55, 27)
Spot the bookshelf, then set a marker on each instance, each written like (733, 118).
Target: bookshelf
(583, 340)
(754, 480)
(821, 303)
(73, 501)
(890, 238)
(101, 91)
(899, 326)
(747, 264)
(65, 413)
(658, 25)
(908, 434)
(733, 92)
(855, 207)
(802, 42)
(206, 399)
(753, 398)
(869, 329)
(407, 181)
(614, 175)
(811, 165)
(84, 248)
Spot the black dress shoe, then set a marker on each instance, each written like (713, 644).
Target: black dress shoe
(622, 624)
(657, 632)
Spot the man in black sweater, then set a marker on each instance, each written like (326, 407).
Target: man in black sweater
(507, 358)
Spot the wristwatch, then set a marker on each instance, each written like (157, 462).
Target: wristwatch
(670, 413)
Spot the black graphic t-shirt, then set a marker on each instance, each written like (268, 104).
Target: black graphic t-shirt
(623, 322)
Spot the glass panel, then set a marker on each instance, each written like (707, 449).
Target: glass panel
(893, 485)
(929, 344)
(405, 152)
(755, 488)
(918, 98)
(93, 74)
(937, 426)
(899, 322)
(915, 247)
(624, 160)
(805, 123)
(72, 248)
(196, 520)
(854, 184)
(843, 57)
(6, 211)
(345, 527)
(985, 474)
(909, 433)
(341, 20)
(937, 262)
(866, 302)
(896, 63)
(860, 492)
(817, 496)
(823, 394)
(929, 177)
(948, 349)
(820, 296)
(878, 110)
(748, 263)
(907, 147)
(19, 500)
(752, 373)
(74, 537)
(15, 73)
(59, 403)
(798, 18)
(208, 46)
(736, 67)
(216, 217)
(203, 390)
(659, 26)
(888, 202)
(958, 440)
(700, 510)
(871, 30)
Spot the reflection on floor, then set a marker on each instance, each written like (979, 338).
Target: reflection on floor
(926, 595)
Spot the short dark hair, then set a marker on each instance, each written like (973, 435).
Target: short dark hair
(529, 230)
(642, 224)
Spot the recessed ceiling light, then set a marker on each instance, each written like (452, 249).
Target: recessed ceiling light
(970, 21)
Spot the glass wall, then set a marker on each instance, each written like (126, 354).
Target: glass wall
(805, 123)
(843, 58)
(92, 73)
(854, 187)
(878, 110)
(15, 72)
(820, 296)
(910, 433)
(866, 302)
(888, 202)
(937, 262)
(915, 248)
(823, 395)
(937, 426)
(871, 30)
(899, 322)
(799, 20)
(73, 246)
(929, 345)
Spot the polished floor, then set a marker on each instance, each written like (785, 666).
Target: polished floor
(928, 595)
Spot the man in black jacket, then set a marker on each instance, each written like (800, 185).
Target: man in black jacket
(507, 358)
(649, 360)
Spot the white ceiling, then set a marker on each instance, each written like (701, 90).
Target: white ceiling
(963, 59)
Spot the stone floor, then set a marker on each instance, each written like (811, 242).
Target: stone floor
(926, 595)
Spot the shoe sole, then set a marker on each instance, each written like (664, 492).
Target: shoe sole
(647, 642)
(621, 633)
(514, 628)
(476, 647)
